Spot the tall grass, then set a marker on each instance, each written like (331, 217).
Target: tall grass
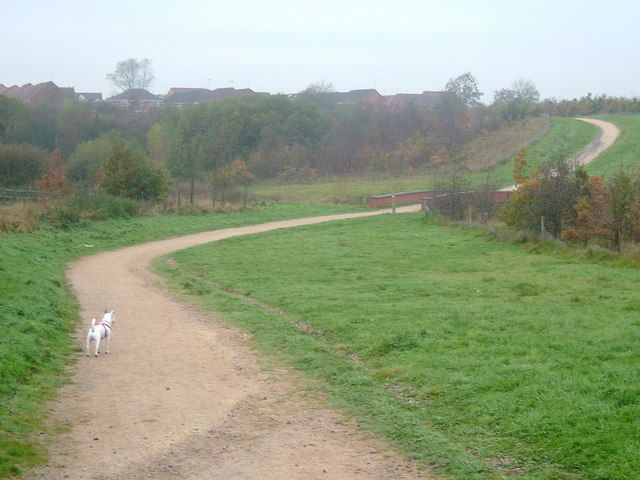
(65, 212)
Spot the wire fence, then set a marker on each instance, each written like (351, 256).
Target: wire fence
(10, 195)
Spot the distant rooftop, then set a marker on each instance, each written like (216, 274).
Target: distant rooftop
(134, 95)
(90, 97)
(183, 96)
(41, 92)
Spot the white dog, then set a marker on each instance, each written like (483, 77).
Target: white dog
(100, 331)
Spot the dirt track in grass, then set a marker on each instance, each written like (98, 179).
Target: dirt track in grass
(607, 137)
(183, 396)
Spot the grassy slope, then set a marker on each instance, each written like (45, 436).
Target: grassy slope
(566, 136)
(625, 153)
(480, 358)
(37, 312)
(547, 135)
(498, 147)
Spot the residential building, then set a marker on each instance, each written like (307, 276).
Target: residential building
(41, 92)
(427, 100)
(89, 97)
(180, 96)
(137, 99)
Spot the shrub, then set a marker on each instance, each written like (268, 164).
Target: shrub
(63, 214)
(21, 165)
(85, 207)
(20, 217)
(84, 163)
(66, 212)
(127, 173)
(54, 179)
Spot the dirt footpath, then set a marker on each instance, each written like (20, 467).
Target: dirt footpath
(182, 396)
(606, 138)
(608, 135)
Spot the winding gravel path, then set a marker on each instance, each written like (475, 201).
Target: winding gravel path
(608, 135)
(606, 138)
(183, 396)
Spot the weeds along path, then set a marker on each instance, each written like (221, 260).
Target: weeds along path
(182, 396)
(608, 135)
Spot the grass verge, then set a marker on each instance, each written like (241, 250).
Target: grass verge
(479, 358)
(38, 313)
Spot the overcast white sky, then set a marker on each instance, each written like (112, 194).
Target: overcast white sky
(567, 47)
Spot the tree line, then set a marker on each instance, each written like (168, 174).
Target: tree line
(231, 142)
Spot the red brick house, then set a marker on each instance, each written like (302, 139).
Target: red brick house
(41, 92)
(179, 96)
(89, 97)
(426, 100)
(368, 96)
(137, 99)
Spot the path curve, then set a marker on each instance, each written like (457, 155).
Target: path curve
(608, 135)
(182, 396)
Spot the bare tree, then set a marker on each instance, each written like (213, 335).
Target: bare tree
(132, 73)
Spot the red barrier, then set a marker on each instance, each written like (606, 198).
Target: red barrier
(408, 198)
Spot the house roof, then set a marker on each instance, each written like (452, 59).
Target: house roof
(3, 88)
(193, 95)
(367, 95)
(45, 91)
(201, 95)
(91, 97)
(41, 91)
(135, 95)
(355, 96)
(12, 91)
(24, 93)
(174, 90)
(426, 99)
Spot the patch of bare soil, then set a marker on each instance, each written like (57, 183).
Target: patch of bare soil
(183, 396)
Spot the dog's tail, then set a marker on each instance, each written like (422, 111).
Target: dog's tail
(93, 324)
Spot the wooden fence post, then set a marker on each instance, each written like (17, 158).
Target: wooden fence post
(393, 203)
(542, 230)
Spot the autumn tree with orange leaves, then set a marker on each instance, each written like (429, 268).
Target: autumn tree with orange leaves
(54, 180)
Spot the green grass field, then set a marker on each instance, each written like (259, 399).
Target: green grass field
(38, 313)
(625, 153)
(479, 358)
